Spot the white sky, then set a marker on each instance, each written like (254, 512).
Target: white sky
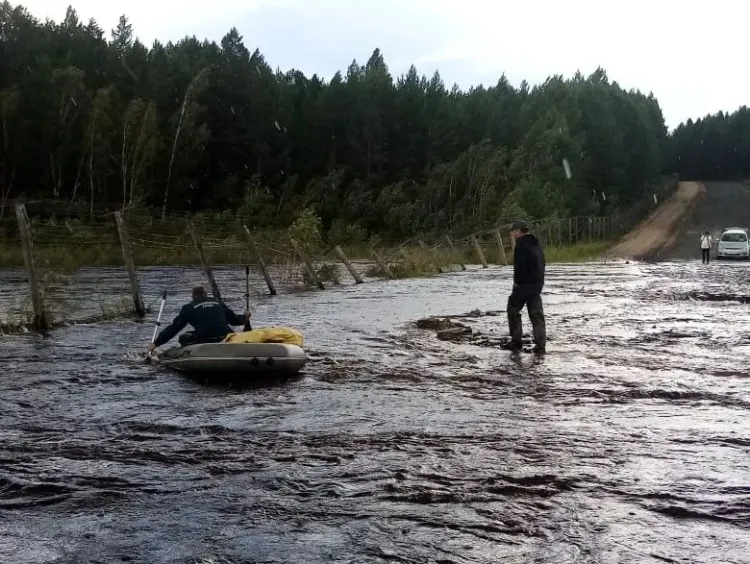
(690, 55)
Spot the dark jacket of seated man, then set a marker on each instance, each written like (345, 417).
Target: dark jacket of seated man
(210, 319)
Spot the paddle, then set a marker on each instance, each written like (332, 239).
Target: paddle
(247, 327)
(158, 322)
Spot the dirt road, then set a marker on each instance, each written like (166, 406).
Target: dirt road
(661, 230)
(725, 204)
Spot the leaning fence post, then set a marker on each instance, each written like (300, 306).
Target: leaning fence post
(127, 257)
(308, 264)
(499, 240)
(478, 249)
(453, 250)
(261, 262)
(408, 259)
(432, 256)
(204, 261)
(381, 264)
(343, 258)
(37, 301)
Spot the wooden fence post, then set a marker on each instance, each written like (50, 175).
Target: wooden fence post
(381, 264)
(41, 321)
(431, 253)
(453, 250)
(407, 258)
(204, 261)
(127, 257)
(308, 265)
(343, 258)
(542, 235)
(261, 262)
(499, 239)
(479, 252)
(570, 231)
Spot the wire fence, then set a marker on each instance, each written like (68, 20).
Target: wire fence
(50, 240)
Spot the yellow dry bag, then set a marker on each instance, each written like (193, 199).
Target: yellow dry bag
(285, 335)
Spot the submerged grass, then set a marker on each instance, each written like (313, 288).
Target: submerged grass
(68, 258)
(55, 261)
(583, 252)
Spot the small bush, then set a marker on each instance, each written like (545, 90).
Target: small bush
(328, 272)
(307, 231)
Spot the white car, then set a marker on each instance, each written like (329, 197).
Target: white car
(733, 243)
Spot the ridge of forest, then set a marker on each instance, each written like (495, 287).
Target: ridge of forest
(195, 126)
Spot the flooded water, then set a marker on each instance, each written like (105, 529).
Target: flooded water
(629, 441)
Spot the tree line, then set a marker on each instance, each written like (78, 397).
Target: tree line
(715, 147)
(92, 117)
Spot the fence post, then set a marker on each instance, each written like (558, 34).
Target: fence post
(343, 258)
(382, 265)
(127, 257)
(499, 239)
(408, 259)
(432, 256)
(37, 301)
(543, 235)
(453, 250)
(204, 261)
(478, 250)
(570, 231)
(261, 262)
(308, 264)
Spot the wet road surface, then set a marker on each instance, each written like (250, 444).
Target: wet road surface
(628, 442)
(725, 204)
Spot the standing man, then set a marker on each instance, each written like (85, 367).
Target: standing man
(706, 241)
(528, 281)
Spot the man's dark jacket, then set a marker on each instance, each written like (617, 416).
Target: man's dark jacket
(210, 318)
(528, 265)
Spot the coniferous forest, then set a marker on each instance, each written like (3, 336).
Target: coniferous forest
(96, 117)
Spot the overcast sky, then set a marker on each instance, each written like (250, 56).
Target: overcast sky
(690, 55)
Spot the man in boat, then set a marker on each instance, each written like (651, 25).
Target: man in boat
(528, 281)
(210, 319)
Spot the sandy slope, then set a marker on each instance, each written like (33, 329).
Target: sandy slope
(661, 230)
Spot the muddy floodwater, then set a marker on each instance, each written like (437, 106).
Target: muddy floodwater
(628, 442)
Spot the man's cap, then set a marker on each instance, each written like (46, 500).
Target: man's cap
(519, 224)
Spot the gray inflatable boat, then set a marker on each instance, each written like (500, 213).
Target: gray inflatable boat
(243, 360)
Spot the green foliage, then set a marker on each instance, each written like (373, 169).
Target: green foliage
(328, 272)
(342, 233)
(307, 231)
(203, 127)
(716, 147)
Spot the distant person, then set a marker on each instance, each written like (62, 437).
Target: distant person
(706, 241)
(528, 281)
(210, 319)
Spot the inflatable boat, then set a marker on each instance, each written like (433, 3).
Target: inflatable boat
(270, 352)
